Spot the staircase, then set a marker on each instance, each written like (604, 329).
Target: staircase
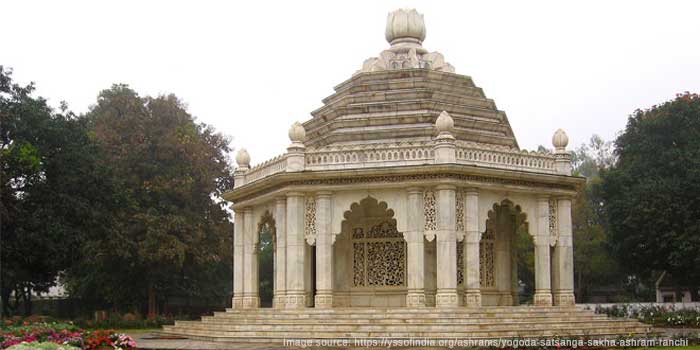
(276, 325)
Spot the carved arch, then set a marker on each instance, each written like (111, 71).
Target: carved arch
(507, 207)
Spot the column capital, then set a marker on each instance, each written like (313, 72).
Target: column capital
(295, 194)
(473, 191)
(323, 194)
(247, 210)
(281, 199)
(416, 190)
(543, 197)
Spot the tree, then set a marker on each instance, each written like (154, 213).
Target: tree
(593, 261)
(652, 194)
(49, 189)
(172, 236)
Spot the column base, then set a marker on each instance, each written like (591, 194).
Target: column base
(472, 299)
(415, 299)
(237, 302)
(564, 298)
(323, 301)
(447, 299)
(506, 300)
(251, 302)
(296, 301)
(542, 299)
(279, 301)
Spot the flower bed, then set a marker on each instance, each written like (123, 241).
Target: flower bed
(657, 315)
(62, 336)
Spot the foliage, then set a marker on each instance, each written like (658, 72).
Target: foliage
(41, 334)
(658, 315)
(171, 236)
(594, 262)
(651, 195)
(52, 191)
(266, 257)
(59, 333)
(108, 340)
(122, 323)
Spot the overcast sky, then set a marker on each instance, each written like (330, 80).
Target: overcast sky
(252, 68)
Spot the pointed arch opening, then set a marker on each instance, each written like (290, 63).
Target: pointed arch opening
(267, 242)
(506, 256)
(370, 257)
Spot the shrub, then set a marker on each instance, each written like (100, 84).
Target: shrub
(657, 315)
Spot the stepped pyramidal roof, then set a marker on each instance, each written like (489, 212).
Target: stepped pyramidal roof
(398, 95)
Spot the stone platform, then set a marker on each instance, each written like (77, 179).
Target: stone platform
(275, 325)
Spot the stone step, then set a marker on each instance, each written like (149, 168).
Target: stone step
(440, 320)
(533, 332)
(399, 315)
(384, 311)
(391, 328)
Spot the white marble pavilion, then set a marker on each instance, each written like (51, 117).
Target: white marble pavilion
(407, 188)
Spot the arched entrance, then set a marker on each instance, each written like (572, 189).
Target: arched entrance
(506, 256)
(266, 259)
(370, 257)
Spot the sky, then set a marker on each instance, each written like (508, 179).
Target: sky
(252, 68)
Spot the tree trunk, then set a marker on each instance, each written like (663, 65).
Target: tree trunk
(694, 293)
(152, 306)
(27, 301)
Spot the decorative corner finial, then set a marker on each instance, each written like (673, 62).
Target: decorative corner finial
(444, 123)
(297, 133)
(405, 26)
(243, 159)
(560, 141)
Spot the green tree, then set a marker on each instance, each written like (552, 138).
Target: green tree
(172, 236)
(652, 194)
(51, 191)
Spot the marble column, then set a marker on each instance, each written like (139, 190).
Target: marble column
(296, 251)
(280, 299)
(416, 249)
(446, 295)
(563, 257)
(250, 262)
(324, 251)
(472, 283)
(238, 252)
(543, 292)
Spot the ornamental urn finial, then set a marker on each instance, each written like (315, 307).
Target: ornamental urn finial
(560, 140)
(444, 123)
(297, 133)
(405, 26)
(243, 159)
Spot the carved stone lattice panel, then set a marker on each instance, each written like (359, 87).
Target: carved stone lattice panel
(460, 264)
(386, 263)
(553, 225)
(310, 220)
(487, 260)
(459, 211)
(384, 230)
(358, 233)
(358, 265)
(429, 211)
(379, 256)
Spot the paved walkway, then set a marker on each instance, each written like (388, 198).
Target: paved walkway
(157, 342)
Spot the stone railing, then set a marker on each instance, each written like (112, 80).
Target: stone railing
(266, 168)
(504, 158)
(387, 155)
(369, 156)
